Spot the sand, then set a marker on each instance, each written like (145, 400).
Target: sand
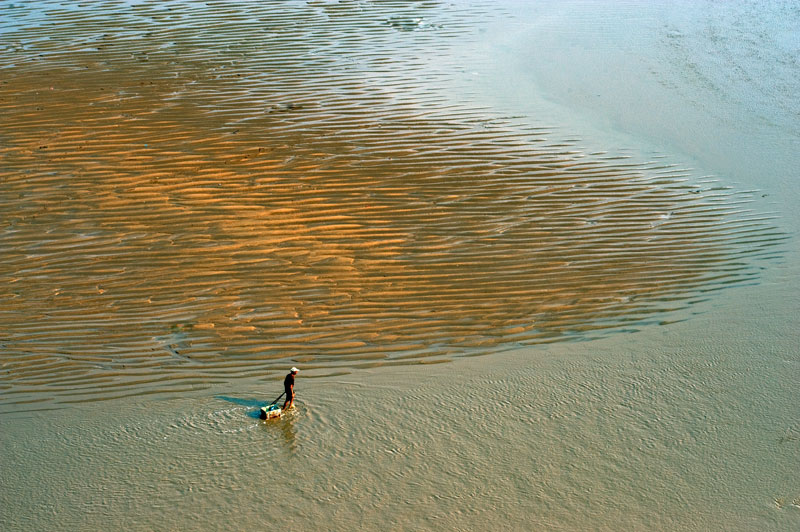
(180, 210)
(520, 298)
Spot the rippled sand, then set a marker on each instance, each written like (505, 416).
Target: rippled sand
(193, 192)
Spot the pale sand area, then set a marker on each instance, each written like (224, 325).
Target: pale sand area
(208, 225)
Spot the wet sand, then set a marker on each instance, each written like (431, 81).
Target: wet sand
(195, 196)
(179, 210)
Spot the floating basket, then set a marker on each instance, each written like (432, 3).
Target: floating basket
(270, 411)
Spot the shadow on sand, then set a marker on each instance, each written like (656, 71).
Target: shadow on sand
(255, 404)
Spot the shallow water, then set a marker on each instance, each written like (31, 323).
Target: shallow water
(179, 210)
(195, 195)
(624, 435)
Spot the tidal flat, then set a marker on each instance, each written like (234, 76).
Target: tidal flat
(538, 265)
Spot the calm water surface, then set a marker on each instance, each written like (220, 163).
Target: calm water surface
(598, 197)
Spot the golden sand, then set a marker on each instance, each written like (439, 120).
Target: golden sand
(188, 196)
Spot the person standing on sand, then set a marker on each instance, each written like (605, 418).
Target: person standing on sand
(288, 388)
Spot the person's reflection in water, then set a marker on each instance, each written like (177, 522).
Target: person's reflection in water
(286, 426)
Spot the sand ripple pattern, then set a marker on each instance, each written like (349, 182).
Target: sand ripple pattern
(190, 192)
